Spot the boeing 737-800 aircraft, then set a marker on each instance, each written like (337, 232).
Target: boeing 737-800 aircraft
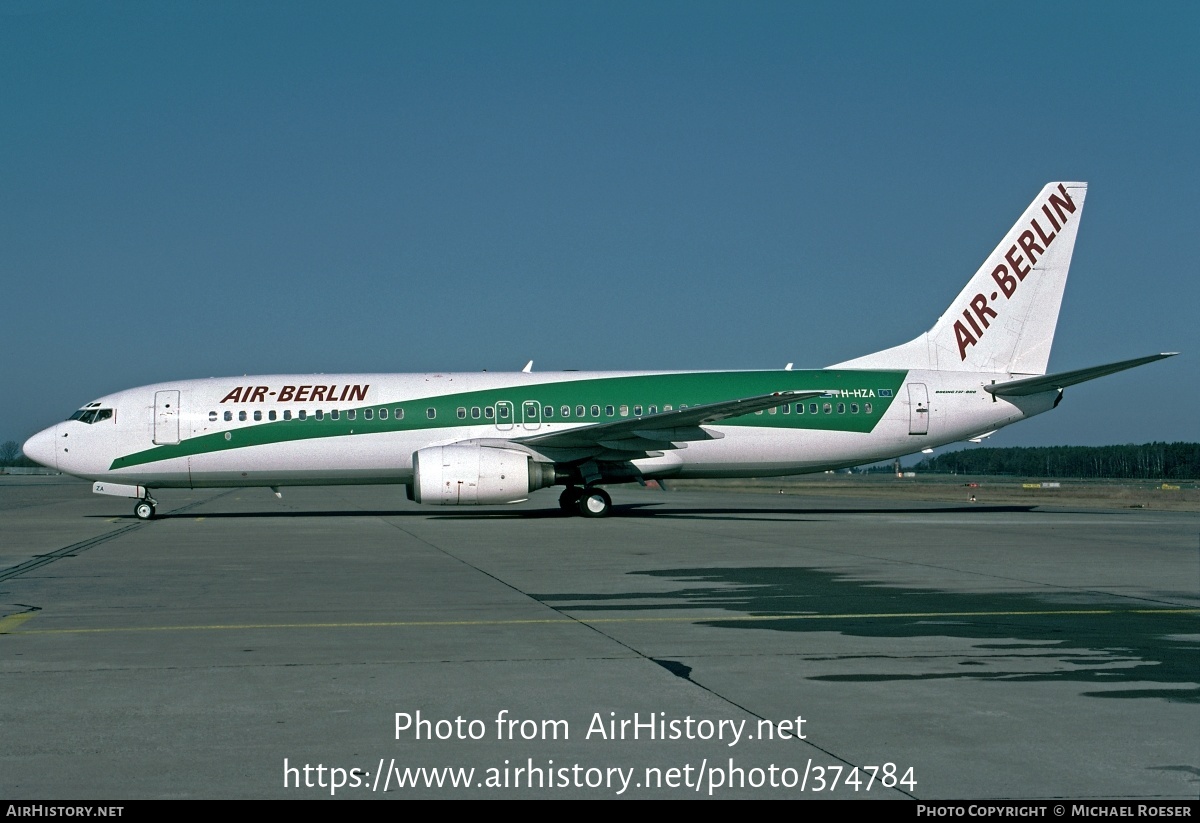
(461, 439)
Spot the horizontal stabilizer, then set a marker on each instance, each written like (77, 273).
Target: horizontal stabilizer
(1051, 382)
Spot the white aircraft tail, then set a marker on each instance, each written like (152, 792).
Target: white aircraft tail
(1004, 320)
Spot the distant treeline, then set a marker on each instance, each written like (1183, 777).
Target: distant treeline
(1151, 461)
(10, 455)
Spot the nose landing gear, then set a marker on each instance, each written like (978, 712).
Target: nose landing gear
(146, 509)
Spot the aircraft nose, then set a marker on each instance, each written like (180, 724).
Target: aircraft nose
(41, 448)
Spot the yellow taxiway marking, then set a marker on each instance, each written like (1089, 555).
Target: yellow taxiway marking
(12, 621)
(389, 624)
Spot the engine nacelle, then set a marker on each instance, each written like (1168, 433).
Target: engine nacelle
(471, 475)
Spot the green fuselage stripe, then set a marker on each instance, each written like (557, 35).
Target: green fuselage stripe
(876, 388)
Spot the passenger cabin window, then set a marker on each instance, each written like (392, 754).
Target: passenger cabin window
(462, 412)
(368, 414)
(828, 408)
(335, 414)
(548, 411)
(287, 414)
(303, 414)
(799, 408)
(866, 408)
(271, 414)
(503, 411)
(624, 411)
(350, 414)
(854, 408)
(565, 411)
(212, 417)
(258, 414)
(474, 412)
(242, 416)
(431, 413)
(609, 411)
(228, 416)
(595, 411)
(580, 411)
(320, 414)
(812, 408)
(489, 412)
(652, 410)
(637, 411)
(383, 414)
(531, 410)
(398, 413)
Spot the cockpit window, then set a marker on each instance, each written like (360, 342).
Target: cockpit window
(90, 414)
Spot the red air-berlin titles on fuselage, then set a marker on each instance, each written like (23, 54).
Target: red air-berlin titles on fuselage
(297, 394)
(1020, 257)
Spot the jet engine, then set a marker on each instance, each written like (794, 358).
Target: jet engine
(469, 475)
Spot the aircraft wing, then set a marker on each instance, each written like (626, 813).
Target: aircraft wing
(1050, 382)
(634, 437)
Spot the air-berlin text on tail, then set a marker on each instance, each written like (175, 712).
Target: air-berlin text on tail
(297, 394)
(1018, 262)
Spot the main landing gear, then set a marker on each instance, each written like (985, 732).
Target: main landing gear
(590, 502)
(146, 509)
(568, 501)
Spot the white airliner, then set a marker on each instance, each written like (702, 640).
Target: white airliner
(484, 438)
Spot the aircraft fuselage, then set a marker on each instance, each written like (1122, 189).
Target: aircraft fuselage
(287, 430)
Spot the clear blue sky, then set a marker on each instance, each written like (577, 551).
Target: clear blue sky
(209, 188)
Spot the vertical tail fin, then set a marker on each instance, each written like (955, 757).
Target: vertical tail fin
(1004, 320)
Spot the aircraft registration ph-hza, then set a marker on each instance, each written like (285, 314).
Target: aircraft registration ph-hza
(461, 439)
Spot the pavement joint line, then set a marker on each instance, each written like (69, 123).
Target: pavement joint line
(718, 694)
(39, 560)
(565, 617)
(6, 627)
(67, 551)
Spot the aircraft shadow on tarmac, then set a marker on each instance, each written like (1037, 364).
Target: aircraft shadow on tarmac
(1085, 637)
(627, 510)
(753, 513)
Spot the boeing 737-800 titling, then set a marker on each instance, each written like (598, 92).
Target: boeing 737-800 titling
(484, 438)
